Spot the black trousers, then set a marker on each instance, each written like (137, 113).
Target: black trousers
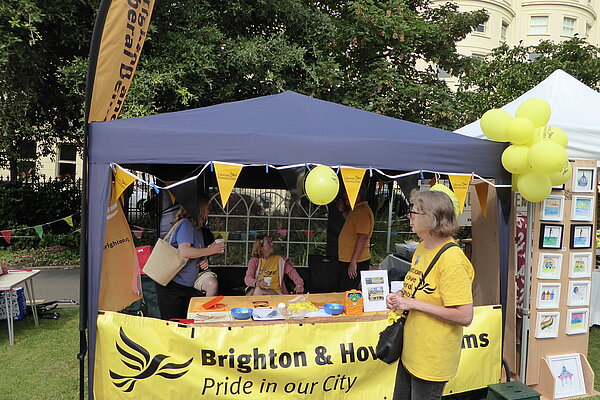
(174, 299)
(344, 281)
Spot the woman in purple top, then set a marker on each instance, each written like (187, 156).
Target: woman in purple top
(173, 299)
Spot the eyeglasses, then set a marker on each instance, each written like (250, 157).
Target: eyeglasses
(411, 212)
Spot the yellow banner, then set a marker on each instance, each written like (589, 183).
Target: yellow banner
(119, 48)
(122, 181)
(481, 357)
(460, 187)
(352, 180)
(145, 358)
(227, 175)
(118, 283)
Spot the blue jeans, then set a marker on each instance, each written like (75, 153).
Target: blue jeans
(410, 387)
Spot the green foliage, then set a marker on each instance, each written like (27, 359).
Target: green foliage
(509, 72)
(37, 39)
(45, 256)
(30, 204)
(361, 53)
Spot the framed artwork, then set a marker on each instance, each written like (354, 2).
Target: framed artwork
(568, 375)
(584, 180)
(548, 295)
(550, 266)
(581, 236)
(580, 265)
(577, 321)
(582, 208)
(546, 324)
(552, 208)
(579, 293)
(551, 236)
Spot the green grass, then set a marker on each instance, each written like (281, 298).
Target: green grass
(43, 363)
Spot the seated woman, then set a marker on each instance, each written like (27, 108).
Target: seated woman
(264, 264)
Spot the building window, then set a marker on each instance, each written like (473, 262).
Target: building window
(67, 158)
(538, 24)
(569, 26)
(588, 30)
(481, 28)
(503, 30)
(534, 56)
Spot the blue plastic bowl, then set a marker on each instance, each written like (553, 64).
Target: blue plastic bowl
(241, 312)
(333, 308)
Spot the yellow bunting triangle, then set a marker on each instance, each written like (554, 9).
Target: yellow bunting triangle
(69, 220)
(122, 181)
(460, 187)
(171, 196)
(227, 175)
(221, 235)
(352, 180)
(482, 194)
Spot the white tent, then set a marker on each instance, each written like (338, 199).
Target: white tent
(575, 109)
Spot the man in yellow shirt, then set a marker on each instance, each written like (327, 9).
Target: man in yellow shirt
(354, 243)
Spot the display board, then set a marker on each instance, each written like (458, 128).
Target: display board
(563, 256)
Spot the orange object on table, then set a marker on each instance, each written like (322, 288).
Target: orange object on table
(353, 302)
(212, 302)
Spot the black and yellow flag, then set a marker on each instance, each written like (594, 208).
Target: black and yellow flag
(119, 33)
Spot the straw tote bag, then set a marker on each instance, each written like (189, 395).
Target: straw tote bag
(164, 261)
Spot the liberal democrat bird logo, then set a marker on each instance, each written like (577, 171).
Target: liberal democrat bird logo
(138, 359)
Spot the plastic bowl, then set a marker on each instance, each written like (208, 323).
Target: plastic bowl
(241, 312)
(333, 308)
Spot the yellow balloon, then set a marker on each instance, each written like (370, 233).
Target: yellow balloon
(515, 159)
(520, 131)
(551, 133)
(547, 156)
(536, 110)
(438, 187)
(534, 187)
(561, 176)
(493, 124)
(321, 185)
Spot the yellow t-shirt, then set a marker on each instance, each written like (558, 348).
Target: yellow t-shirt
(432, 347)
(359, 220)
(270, 266)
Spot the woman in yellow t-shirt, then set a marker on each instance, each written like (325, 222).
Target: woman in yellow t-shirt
(266, 270)
(442, 304)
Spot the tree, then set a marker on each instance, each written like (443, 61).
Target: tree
(37, 39)
(507, 73)
(361, 53)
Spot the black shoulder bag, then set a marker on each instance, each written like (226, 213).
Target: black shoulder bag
(391, 339)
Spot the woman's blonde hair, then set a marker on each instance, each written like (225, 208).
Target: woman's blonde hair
(199, 220)
(257, 246)
(438, 211)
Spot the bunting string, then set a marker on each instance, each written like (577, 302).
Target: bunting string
(307, 165)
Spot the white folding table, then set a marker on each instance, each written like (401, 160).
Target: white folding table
(7, 283)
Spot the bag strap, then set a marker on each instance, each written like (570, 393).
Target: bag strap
(429, 268)
(172, 230)
(432, 264)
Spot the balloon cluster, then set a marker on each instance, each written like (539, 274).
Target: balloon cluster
(321, 185)
(537, 156)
